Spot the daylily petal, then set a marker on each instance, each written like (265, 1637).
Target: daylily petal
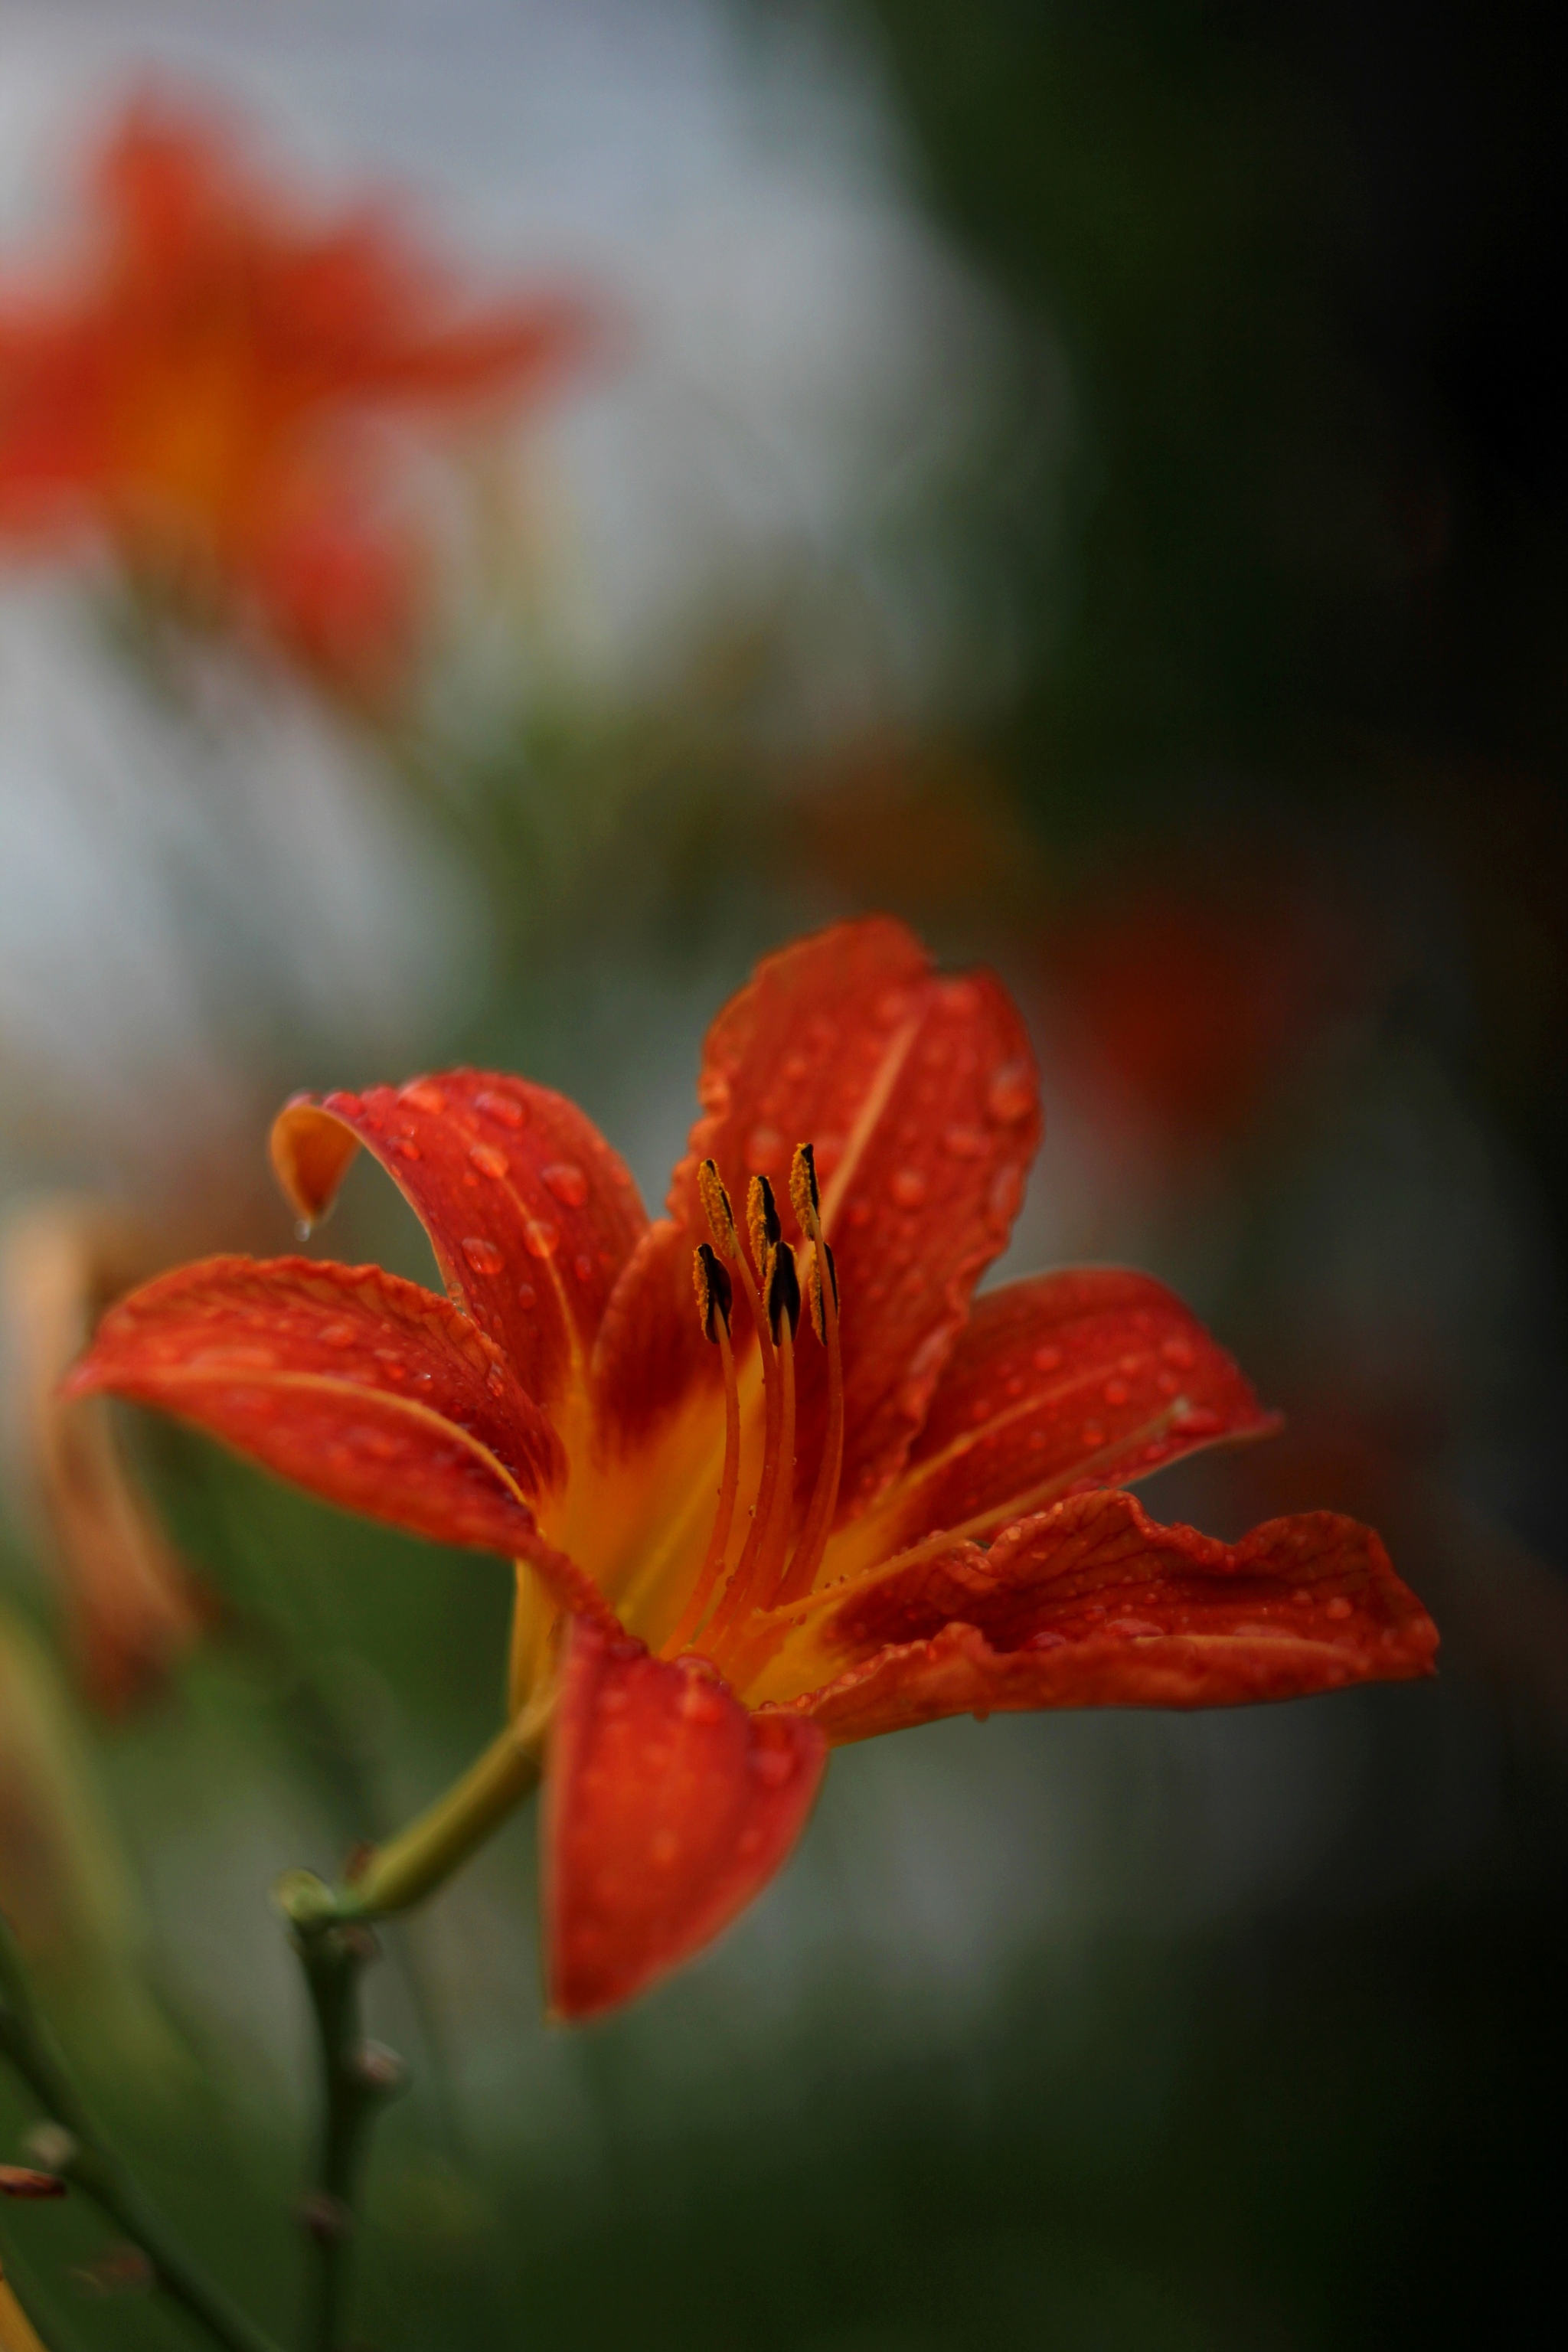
(531, 1214)
(919, 1094)
(1095, 1604)
(651, 1356)
(1094, 1372)
(667, 1807)
(370, 1391)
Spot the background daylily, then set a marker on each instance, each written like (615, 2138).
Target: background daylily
(202, 388)
(936, 1521)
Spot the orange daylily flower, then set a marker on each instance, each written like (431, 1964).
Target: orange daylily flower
(201, 385)
(935, 1519)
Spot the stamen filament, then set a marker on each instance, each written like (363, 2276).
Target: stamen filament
(701, 1593)
(823, 1287)
(776, 1489)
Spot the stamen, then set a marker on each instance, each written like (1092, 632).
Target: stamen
(714, 1294)
(721, 1218)
(824, 1296)
(716, 1208)
(763, 1220)
(713, 1303)
(763, 1554)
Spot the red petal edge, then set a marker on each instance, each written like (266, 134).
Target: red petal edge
(531, 1216)
(1094, 1372)
(1096, 1604)
(667, 1807)
(371, 1392)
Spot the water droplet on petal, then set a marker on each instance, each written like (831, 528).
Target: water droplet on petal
(1197, 1420)
(583, 1266)
(1177, 1352)
(1092, 1433)
(1047, 1359)
(482, 1255)
(908, 1187)
(505, 1109)
(489, 1160)
(567, 1181)
(1006, 1191)
(774, 1765)
(965, 1142)
(406, 1147)
(1046, 1642)
(338, 1335)
(424, 1097)
(700, 1703)
(541, 1238)
(764, 1150)
(1116, 1392)
(1010, 1096)
(526, 1294)
(1338, 1608)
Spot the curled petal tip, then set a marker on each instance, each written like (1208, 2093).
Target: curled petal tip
(311, 1150)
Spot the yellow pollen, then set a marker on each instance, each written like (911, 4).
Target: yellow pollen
(716, 1208)
(764, 1575)
(714, 1294)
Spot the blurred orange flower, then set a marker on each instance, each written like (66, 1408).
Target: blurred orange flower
(1187, 997)
(132, 1611)
(203, 384)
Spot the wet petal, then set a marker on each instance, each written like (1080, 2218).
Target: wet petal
(1094, 1372)
(651, 1356)
(1095, 1604)
(919, 1094)
(370, 1391)
(667, 1808)
(531, 1214)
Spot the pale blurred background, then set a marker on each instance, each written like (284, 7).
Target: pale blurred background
(1093, 483)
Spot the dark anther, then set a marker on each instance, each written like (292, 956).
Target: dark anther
(763, 1222)
(814, 1289)
(715, 1294)
(803, 1189)
(784, 1290)
(716, 1208)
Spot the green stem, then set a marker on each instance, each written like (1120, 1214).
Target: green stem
(420, 1858)
(357, 2078)
(93, 2167)
(331, 1933)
